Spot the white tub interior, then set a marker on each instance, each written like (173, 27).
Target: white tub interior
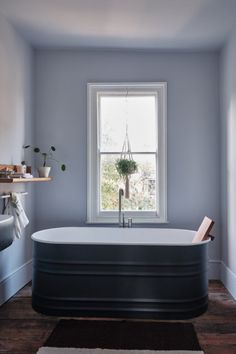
(115, 236)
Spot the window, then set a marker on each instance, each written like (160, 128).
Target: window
(138, 109)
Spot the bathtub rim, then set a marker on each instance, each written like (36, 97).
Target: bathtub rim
(35, 238)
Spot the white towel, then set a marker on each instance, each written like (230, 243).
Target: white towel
(17, 210)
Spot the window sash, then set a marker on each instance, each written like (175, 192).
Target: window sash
(131, 92)
(136, 213)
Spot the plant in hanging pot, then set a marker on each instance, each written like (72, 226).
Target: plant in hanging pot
(126, 167)
(44, 170)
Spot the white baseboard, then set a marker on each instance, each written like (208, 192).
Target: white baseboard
(15, 281)
(228, 278)
(214, 269)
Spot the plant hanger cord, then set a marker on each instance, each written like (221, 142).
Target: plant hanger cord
(125, 165)
(126, 148)
(126, 153)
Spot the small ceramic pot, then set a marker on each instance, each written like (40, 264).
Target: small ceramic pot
(44, 171)
(22, 169)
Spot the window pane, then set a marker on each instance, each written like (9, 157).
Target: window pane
(142, 184)
(139, 112)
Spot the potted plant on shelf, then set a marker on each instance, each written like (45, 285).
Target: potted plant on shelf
(126, 167)
(44, 170)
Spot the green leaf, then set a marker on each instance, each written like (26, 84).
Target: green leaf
(63, 167)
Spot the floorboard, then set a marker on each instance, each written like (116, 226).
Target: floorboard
(23, 331)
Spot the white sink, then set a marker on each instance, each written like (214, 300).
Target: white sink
(6, 231)
(5, 218)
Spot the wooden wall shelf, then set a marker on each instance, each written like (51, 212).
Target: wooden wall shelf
(17, 169)
(24, 180)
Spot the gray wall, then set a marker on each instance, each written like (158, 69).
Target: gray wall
(228, 129)
(193, 129)
(15, 129)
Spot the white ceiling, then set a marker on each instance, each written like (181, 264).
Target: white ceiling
(137, 24)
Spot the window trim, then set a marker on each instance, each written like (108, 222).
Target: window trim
(93, 215)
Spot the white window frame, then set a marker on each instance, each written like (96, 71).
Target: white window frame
(94, 215)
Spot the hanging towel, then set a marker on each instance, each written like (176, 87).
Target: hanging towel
(16, 209)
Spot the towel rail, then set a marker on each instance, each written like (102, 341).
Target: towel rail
(5, 196)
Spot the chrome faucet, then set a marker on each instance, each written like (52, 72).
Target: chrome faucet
(122, 222)
(121, 193)
(130, 222)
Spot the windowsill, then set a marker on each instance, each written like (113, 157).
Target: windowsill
(135, 221)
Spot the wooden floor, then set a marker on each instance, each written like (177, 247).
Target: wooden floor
(23, 331)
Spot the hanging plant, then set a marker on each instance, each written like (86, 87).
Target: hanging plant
(126, 167)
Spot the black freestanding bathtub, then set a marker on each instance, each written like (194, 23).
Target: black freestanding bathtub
(115, 272)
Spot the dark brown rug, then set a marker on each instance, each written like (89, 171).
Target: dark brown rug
(125, 335)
